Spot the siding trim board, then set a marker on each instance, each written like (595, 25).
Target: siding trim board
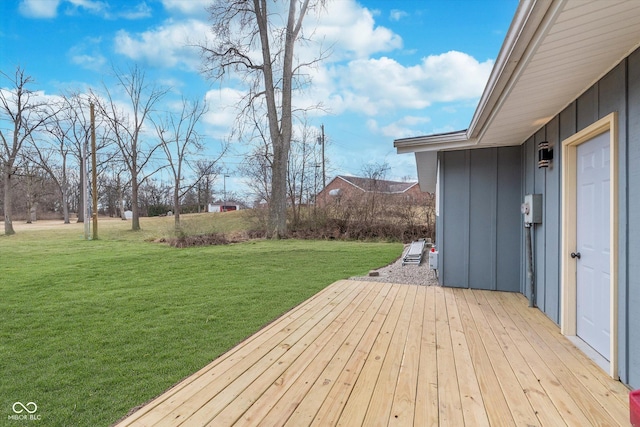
(569, 209)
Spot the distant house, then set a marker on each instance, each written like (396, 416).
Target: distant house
(224, 206)
(343, 188)
(559, 119)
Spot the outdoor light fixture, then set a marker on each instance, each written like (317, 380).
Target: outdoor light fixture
(545, 154)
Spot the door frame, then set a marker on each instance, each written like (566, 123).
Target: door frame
(568, 320)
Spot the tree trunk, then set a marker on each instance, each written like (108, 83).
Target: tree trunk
(65, 206)
(135, 220)
(120, 198)
(8, 225)
(176, 205)
(82, 193)
(278, 202)
(29, 209)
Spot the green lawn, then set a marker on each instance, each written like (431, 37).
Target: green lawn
(90, 329)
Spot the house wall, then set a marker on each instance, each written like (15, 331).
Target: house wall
(617, 91)
(481, 191)
(347, 191)
(629, 236)
(479, 208)
(546, 236)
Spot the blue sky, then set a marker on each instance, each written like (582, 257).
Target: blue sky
(397, 69)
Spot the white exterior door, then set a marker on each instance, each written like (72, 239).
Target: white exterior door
(593, 281)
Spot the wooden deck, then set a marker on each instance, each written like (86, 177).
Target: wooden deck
(361, 353)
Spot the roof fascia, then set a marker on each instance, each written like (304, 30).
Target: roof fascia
(516, 47)
(431, 142)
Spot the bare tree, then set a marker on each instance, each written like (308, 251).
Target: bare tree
(258, 164)
(250, 42)
(76, 116)
(53, 157)
(302, 176)
(256, 168)
(34, 188)
(68, 133)
(207, 171)
(376, 173)
(127, 128)
(180, 139)
(53, 154)
(119, 186)
(21, 108)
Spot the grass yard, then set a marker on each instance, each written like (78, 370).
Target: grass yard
(91, 329)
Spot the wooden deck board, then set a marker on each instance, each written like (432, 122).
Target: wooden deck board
(362, 353)
(404, 398)
(541, 386)
(575, 372)
(521, 410)
(495, 403)
(278, 403)
(379, 408)
(292, 363)
(426, 413)
(473, 409)
(210, 400)
(350, 397)
(449, 402)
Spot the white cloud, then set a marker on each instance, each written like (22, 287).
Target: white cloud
(396, 15)
(90, 5)
(404, 127)
(352, 79)
(49, 9)
(39, 8)
(222, 105)
(36, 97)
(168, 45)
(372, 125)
(352, 32)
(90, 62)
(187, 7)
(375, 86)
(87, 54)
(142, 10)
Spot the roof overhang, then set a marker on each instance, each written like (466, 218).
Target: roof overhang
(553, 52)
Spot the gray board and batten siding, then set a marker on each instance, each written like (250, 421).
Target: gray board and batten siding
(479, 207)
(480, 228)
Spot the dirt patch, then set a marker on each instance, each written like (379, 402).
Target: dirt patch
(209, 239)
(197, 240)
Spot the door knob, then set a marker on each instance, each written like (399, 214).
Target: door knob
(575, 255)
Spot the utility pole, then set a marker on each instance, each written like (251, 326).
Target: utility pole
(315, 189)
(85, 190)
(224, 192)
(94, 176)
(324, 175)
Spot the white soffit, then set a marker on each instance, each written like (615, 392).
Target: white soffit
(583, 42)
